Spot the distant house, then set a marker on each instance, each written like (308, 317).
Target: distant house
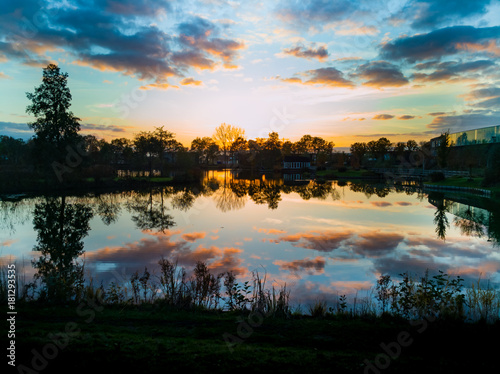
(296, 162)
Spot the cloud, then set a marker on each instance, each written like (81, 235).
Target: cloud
(431, 13)
(96, 127)
(320, 53)
(315, 13)
(381, 74)
(450, 69)
(320, 241)
(192, 237)
(116, 41)
(148, 251)
(383, 116)
(190, 81)
(406, 117)
(312, 266)
(460, 122)
(375, 243)
(485, 98)
(201, 35)
(8, 243)
(4, 76)
(442, 42)
(483, 93)
(16, 130)
(329, 77)
(403, 203)
(381, 204)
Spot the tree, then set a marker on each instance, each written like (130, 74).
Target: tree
(11, 150)
(148, 146)
(55, 127)
(303, 145)
(273, 143)
(379, 148)
(202, 147)
(443, 149)
(225, 135)
(358, 151)
(61, 228)
(412, 145)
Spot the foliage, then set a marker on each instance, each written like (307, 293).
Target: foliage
(443, 149)
(55, 126)
(440, 295)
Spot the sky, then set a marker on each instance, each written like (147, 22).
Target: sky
(347, 71)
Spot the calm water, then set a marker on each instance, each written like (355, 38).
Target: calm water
(320, 239)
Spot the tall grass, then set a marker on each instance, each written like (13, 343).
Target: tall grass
(411, 297)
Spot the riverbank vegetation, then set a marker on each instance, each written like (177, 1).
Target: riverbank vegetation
(168, 285)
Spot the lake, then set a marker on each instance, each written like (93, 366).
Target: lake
(320, 239)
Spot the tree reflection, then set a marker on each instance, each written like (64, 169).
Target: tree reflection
(471, 223)
(108, 208)
(370, 189)
(150, 210)
(60, 228)
(440, 219)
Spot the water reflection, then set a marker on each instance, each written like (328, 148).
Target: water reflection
(60, 228)
(473, 216)
(150, 211)
(323, 238)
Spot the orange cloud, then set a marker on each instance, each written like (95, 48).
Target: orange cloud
(191, 81)
(191, 237)
(383, 116)
(159, 86)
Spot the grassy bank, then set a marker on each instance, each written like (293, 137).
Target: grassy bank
(464, 182)
(154, 339)
(190, 323)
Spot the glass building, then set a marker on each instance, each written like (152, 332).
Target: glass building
(484, 135)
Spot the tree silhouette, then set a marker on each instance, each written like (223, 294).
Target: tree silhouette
(61, 228)
(55, 127)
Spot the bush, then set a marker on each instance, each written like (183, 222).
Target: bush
(437, 176)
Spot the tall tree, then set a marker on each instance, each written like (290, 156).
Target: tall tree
(443, 149)
(225, 135)
(358, 152)
(55, 126)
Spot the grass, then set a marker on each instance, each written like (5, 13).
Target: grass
(154, 339)
(465, 182)
(459, 182)
(185, 327)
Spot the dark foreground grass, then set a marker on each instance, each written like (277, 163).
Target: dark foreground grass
(159, 339)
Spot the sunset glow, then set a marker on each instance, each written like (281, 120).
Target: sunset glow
(345, 70)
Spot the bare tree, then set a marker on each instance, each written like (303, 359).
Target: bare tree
(225, 135)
